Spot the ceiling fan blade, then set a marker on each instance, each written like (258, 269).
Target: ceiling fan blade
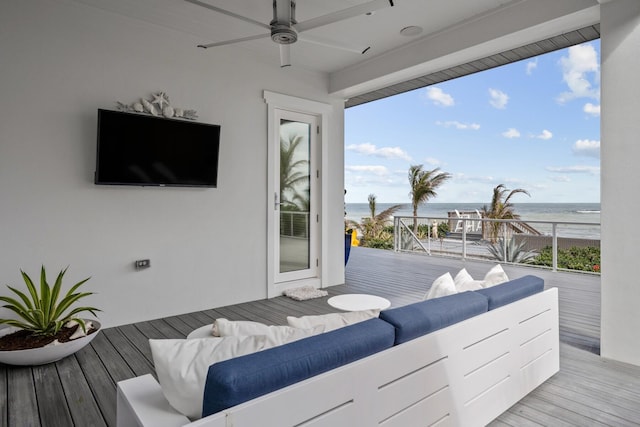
(285, 55)
(226, 42)
(226, 12)
(335, 45)
(341, 15)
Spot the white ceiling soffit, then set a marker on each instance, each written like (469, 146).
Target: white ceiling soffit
(454, 32)
(561, 41)
(380, 31)
(516, 24)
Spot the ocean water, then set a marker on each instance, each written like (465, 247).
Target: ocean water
(530, 212)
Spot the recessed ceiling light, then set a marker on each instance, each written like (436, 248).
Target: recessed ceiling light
(411, 31)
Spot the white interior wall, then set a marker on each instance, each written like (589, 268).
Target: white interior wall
(620, 27)
(61, 61)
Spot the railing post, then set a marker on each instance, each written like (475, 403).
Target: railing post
(464, 238)
(504, 241)
(554, 247)
(428, 238)
(396, 233)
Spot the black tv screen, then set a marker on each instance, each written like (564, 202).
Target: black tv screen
(137, 149)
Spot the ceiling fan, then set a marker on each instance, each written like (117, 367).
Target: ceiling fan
(285, 30)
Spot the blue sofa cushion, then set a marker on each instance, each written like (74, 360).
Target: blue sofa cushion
(513, 290)
(238, 380)
(415, 320)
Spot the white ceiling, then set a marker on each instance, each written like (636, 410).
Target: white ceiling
(381, 30)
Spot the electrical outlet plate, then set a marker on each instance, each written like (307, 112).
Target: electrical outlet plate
(142, 263)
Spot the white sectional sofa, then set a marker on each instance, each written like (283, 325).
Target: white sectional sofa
(460, 360)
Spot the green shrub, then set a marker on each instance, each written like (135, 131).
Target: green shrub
(574, 258)
(443, 229)
(379, 243)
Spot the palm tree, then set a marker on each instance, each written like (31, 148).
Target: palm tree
(501, 208)
(372, 204)
(292, 175)
(423, 187)
(373, 228)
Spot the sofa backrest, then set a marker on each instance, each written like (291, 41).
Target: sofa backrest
(513, 290)
(235, 381)
(415, 320)
(241, 379)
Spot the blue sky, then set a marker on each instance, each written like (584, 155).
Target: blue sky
(533, 124)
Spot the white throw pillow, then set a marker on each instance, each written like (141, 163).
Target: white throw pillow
(495, 276)
(182, 365)
(278, 334)
(235, 328)
(442, 286)
(332, 321)
(462, 276)
(464, 282)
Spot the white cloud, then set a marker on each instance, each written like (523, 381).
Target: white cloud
(586, 147)
(591, 109)
(511, 133)
(498, 99)
(373, 176)
(593, 170)
(577, 68)
(486, 179)
(368, 149)
(532, 65)
(561, 178)
(374, 169)
(545, 135)
(440, 98)
(459, 125)
(432, 161)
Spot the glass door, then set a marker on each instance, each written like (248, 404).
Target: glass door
(295, 198)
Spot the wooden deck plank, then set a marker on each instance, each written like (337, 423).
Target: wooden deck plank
(588, 390)
(138, 340)
(132, 356)
(115, 365)
(22, 401)
(179, 325)
(166, 329)
(515, 420)
(100, 382)
(84, 408)
(4, 396)
(54, 411)
(533, 414)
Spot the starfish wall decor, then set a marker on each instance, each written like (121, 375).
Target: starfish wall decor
(158, 106)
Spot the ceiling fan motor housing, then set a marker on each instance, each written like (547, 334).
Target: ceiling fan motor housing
(283, 34)
(284, 17)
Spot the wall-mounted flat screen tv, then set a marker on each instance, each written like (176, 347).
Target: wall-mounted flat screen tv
(143, 150)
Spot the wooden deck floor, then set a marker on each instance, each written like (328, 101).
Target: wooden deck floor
(588, 391)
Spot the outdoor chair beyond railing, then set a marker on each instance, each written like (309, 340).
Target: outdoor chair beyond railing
(527, 242)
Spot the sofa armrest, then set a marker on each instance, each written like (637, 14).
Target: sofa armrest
(140, 402)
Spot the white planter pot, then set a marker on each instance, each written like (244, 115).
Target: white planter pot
(42, 355)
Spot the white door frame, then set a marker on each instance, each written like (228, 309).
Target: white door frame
(322, 112)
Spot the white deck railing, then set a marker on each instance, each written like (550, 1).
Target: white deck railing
(508, 241)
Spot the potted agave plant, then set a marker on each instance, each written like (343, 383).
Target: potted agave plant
(47, 327)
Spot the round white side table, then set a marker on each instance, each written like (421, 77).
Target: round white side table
(357, 302)
(201, 332)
